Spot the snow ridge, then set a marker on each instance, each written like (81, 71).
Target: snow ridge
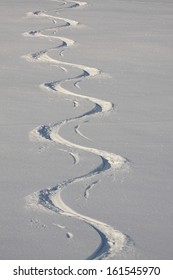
(113, 242)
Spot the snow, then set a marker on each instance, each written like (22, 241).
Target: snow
(86, 129)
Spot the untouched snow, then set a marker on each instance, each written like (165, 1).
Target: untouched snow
(86, 129)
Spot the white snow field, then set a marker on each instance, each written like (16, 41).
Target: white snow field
(86, 120)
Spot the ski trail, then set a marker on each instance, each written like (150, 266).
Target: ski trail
(68, 22)
(113, 243)
(76, 84)
(80, 133)
(74, 155)
(66, 42)
(90, 187)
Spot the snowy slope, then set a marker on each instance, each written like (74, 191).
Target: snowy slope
(86, 130)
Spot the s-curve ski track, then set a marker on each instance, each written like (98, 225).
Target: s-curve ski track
(113, 242)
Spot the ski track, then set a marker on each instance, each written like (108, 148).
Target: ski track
(113, 242)
(88, 188)
(76, 128)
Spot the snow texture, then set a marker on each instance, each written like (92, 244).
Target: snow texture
(86, 130)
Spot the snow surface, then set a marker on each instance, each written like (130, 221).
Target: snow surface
(86, 125)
